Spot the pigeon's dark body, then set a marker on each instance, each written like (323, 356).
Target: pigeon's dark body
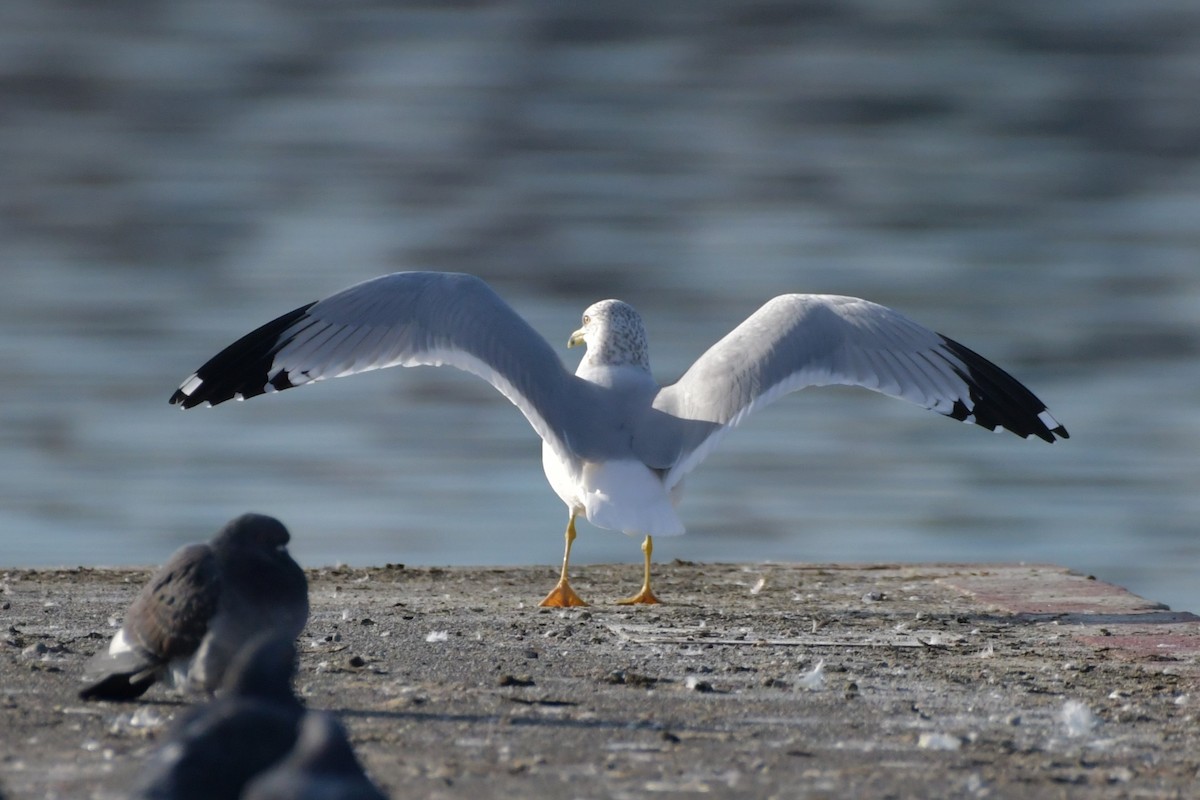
(200, 608)
(321, 767)
(219, 747)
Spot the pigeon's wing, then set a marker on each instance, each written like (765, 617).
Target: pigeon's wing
(167, 620)
(170, 616)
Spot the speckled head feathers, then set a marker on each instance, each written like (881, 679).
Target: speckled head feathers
(614, 335)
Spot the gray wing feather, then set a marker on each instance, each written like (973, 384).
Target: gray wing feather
(403, 319)
(798, 340)
(168, 618)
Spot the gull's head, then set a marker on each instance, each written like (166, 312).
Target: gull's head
(614, 335)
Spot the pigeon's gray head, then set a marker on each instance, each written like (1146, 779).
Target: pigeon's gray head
(252, 531)
(614, 335)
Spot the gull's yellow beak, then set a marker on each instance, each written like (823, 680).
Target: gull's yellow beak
(576, 339)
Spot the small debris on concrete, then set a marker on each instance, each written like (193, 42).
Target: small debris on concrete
(1077, 717)
(814, 679)
(939, 741)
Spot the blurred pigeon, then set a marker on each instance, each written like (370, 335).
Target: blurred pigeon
(322, 767)
(198, 610)
(217, 748)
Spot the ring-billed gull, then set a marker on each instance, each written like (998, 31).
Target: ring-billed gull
(616, 445)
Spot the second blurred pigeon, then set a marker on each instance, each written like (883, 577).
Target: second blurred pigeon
(200, 608)
(217, 748)
(322, 767)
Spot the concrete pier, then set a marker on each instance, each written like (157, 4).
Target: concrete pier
(752, 680)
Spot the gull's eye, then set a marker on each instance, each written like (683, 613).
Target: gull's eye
(586, 319)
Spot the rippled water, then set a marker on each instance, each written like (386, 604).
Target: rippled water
(173, 187)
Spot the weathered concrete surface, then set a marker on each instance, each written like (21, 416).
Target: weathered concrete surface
(936, 681)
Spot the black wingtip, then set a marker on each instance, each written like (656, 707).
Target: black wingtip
(179, 398)
(998, 400)
(243, 369)
(1057, 432)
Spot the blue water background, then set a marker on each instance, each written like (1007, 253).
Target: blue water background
(1023, 177)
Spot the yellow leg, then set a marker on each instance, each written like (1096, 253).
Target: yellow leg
(562, 595)
(645, 595)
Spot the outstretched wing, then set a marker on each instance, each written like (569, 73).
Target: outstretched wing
(403, 319)
(801, 340)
